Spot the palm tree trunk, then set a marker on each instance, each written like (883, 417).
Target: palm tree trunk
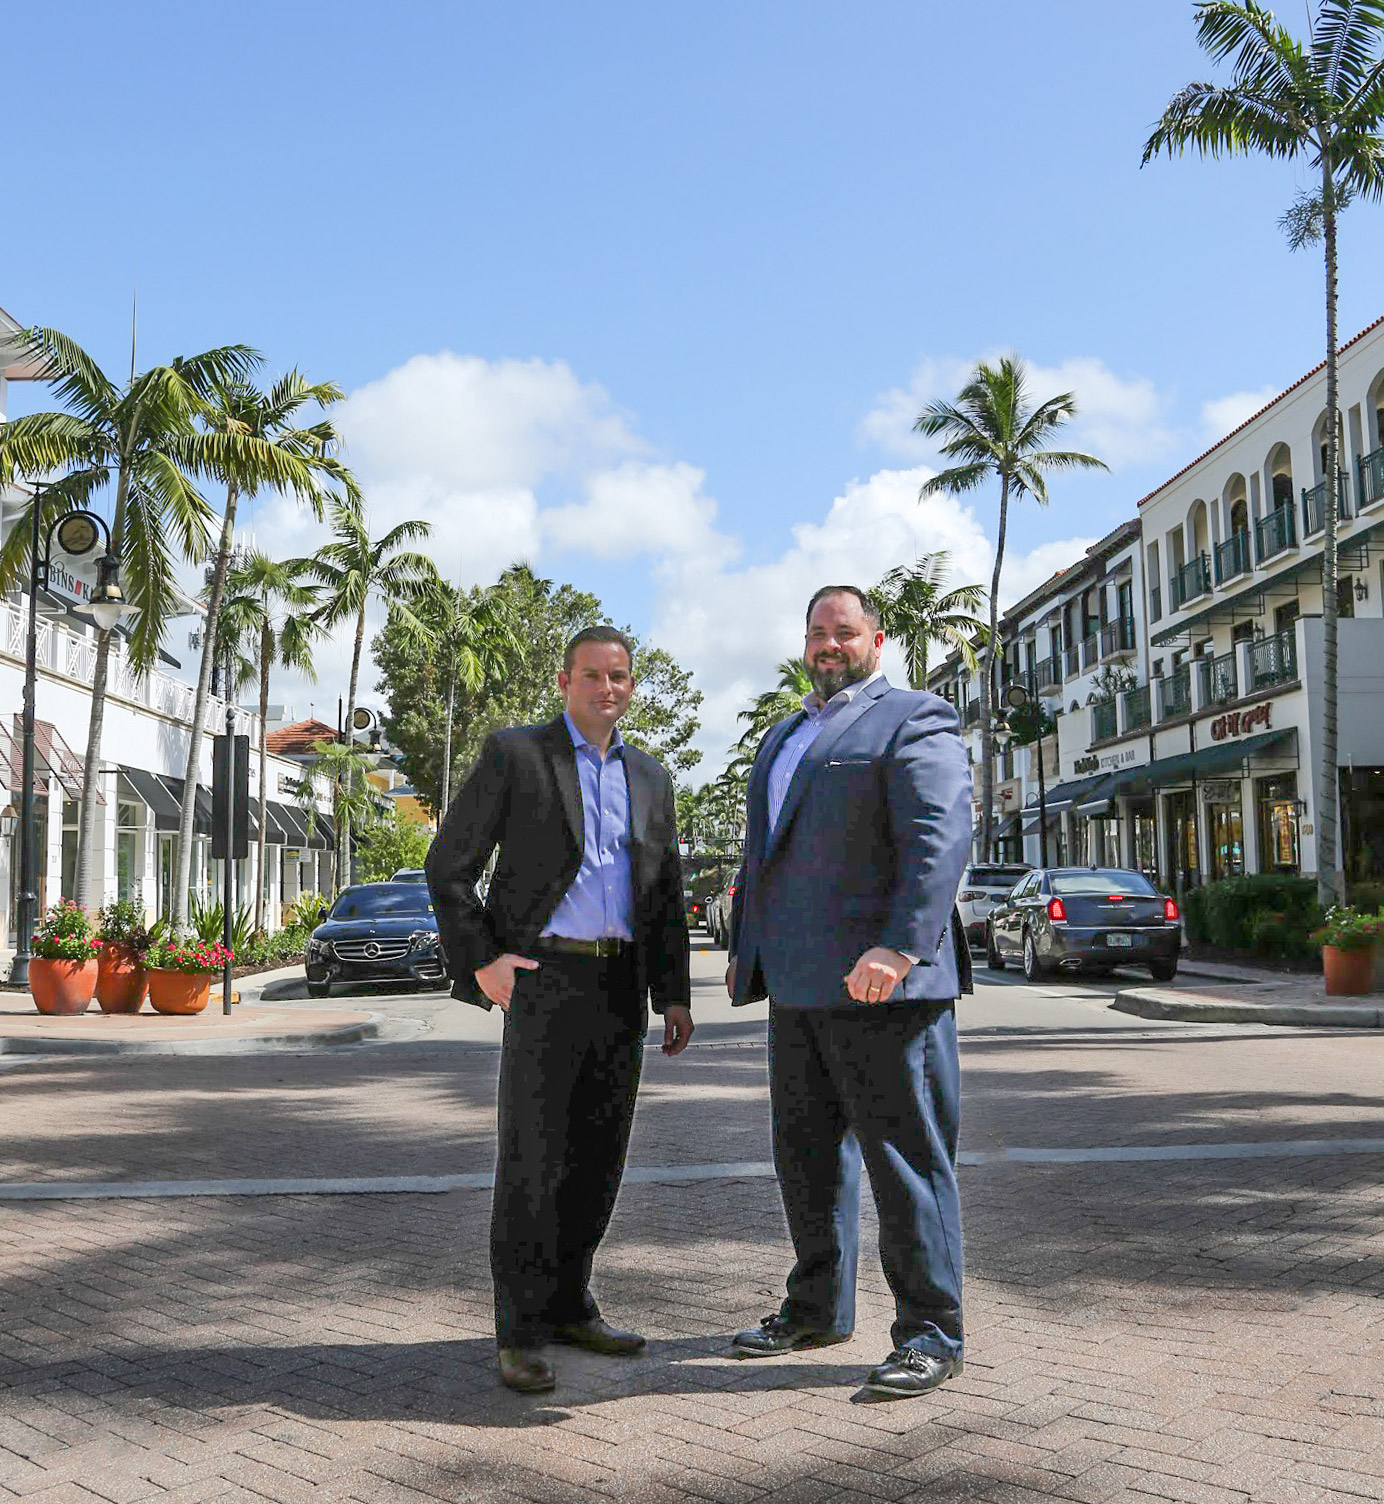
(88, 878)
(1328, 860)
(182, 881)
(343, 823)
(987, 737)
(262, 886)
(447, 743)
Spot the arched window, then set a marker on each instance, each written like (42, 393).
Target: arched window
(1280, 468)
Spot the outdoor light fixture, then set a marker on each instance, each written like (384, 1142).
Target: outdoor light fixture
(107, 604)
(1362, 590)
(8, 821)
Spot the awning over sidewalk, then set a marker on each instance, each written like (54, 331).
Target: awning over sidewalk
(1059, 799)
(1205, 762)
(153, 791)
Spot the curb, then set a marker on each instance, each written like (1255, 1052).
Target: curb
(1148, 1002)
(368, 1028)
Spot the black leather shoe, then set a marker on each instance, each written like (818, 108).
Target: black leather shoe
(774, 1336)
(598, 1336)
(906, 1372)
(526, 1370)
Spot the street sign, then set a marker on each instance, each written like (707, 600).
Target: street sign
(240, 812)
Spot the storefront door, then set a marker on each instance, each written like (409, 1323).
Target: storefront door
(1183, 867)
(1227, 840)
(1278, 823)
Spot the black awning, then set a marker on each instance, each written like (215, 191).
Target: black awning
(1059, 798)
(151, 790)
(201, 819)
(1217, 757)
(1097, 801)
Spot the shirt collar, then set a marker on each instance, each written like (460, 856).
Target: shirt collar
(580, 742)
(812, 703)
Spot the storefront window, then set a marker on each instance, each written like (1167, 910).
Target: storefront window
(129, 830)
(1278, 823)
(1362, 823)
(1145, 836)
(1227, 839)
(70, 810)
(1183, 866)
(1105, 850)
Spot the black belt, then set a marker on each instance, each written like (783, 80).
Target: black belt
(566, 947)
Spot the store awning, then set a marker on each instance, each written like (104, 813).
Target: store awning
(1205, 762)
(150, 789)
(1058, 799)
(1008, 827)
(1099, 801)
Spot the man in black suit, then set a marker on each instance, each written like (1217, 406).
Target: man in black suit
(582, 922)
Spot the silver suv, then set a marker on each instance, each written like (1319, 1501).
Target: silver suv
(983, 885)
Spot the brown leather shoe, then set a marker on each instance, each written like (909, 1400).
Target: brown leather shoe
(526, 1370)
(598, 1336)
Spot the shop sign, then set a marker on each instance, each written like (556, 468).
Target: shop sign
(1007, 793)
(1088, 764)
(288, 784)
(1220, 791)
(1241, 722)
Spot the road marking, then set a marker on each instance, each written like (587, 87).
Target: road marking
(436, 1185)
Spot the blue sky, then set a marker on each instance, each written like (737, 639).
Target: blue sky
(637, 289)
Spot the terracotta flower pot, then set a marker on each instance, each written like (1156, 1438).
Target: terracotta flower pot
(178, 991)
(62, 986)
(1347, 972)
(121, 981)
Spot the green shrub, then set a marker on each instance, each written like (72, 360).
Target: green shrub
(1366, 896)
(308, 912)
(1194, 914)
(207, 921)
(1268, 913)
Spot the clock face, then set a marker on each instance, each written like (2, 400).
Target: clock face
(77, 535)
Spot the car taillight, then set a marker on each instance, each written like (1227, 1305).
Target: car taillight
(1115, 897)
(1170, 908)
(731, 894)
(971, 894)
(1057, 910)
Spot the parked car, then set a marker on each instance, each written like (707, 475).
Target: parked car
(377, 932)
(983, 885)
(718, 913)
(1085, 919)
(409, 875)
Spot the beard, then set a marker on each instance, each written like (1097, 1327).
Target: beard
(831, 678)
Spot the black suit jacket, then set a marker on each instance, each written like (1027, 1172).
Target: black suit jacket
(524, 796)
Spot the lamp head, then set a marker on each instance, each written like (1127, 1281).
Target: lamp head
(107, 603)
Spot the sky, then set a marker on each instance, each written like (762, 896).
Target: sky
(651, 295)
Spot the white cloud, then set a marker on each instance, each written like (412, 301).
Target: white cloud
(1121, 420)
(1223, 415)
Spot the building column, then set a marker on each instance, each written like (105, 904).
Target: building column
(1249, 820)
(107, 828)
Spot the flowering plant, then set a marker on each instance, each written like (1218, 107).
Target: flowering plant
(1349, 929)
(65, 933)
(123, 924)
(178, 954)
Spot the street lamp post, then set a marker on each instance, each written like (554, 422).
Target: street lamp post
(78, 533)
(1016, 697)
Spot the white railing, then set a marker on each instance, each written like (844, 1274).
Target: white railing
(71, 656)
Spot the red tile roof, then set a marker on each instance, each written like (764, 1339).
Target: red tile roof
(1320, 366)
(300, 739)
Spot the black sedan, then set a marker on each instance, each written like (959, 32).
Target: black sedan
(1084, 919)
(377, 932)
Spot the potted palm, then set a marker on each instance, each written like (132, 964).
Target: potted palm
(62, 971)
(180, 971)
(120, 979)
(1347, 940)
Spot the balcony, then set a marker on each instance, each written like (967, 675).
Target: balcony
(1104, 724)
(1138, 711)
(1220, 682)
(1090, 650)
(1155, 603)
(1274, 533)
(1117, 639)
(1370, 479)
(1175, 694)
(1071, 662)
(1048, 674)
(971, 715)
(1314, 506)
(1192, 580)
(1232, 557)
(1273, 660)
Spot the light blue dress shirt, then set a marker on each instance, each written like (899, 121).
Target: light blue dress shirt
(600, 903)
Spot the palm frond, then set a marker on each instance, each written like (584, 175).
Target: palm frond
(70, 371)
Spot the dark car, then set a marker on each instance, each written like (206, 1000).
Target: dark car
(718, 913)
(377, 932)
(1084, 919)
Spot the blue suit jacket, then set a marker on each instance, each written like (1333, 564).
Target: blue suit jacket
(869, 849)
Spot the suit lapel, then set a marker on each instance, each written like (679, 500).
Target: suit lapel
(757, 804)
(641, 798)
(563, 758)
(818, 753)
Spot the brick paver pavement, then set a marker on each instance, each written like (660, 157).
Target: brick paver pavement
(1202, 1331)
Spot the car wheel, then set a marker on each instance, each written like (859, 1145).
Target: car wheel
(993, 959)
(319, 989)
(1033, 967)
(1163, 971)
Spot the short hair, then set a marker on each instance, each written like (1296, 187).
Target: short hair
(866, 604)
(597, 634)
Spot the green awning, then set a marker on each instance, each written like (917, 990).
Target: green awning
(1218, 757)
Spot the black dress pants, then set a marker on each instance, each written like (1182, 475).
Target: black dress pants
(569, 1071)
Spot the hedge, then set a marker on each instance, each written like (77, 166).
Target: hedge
(1269, 913)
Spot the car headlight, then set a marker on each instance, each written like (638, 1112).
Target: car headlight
(423, 940)
(319, 948)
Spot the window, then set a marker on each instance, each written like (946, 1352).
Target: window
(1285, 615)
(1074, 884)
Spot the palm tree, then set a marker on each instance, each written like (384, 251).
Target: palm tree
(267, 608)
(1322, 103)
(996, 433)
(352, 569)
(769, 708)
(144, 438)
(915, 611)
(473, 638)
(260, 442)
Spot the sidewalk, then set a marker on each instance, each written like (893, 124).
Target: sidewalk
(1234, 994)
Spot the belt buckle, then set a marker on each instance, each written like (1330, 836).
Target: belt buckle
(606, 946)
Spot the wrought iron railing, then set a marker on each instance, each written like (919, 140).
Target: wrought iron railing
(1071, 661)
(1117, 637)
(1090, 650)
(1314, 506)
(1048, 673)
(1104, 724)
(1175, 694)
(1369, 476)
(1274, 533)
(1192, 580)
(1155, 603)
(1232, 557)
(1138, 712)
(1219, 680)
(1273, 660)
(971, 714)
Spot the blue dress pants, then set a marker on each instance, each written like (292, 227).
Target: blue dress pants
(879, 1083)
(569, 1071)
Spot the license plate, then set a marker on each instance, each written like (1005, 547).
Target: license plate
(1119, 941)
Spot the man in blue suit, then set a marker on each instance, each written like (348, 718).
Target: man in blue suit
(858, 829)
